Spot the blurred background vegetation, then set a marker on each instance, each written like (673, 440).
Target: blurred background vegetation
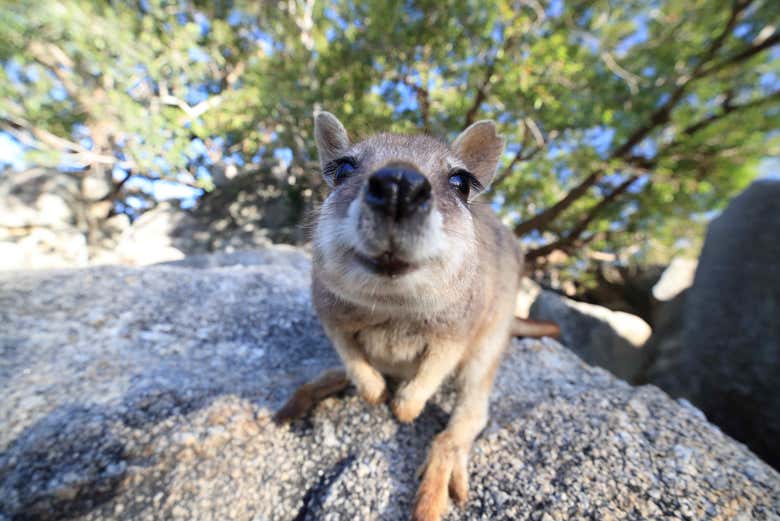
(629, 124)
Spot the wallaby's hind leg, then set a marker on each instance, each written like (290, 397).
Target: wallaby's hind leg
(310, 394)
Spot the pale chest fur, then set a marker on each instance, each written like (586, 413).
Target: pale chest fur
(393, 350)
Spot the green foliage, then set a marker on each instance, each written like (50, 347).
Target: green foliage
(653, 113)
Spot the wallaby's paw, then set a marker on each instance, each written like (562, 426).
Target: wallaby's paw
(372, 387)
(431, 501)
(406, 406)
(459, 480)
(445, 475)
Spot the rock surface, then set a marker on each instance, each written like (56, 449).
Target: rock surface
(729, 361)
(134, 393)
(610, 339)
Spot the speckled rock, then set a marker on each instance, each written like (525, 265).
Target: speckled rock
(146, 393)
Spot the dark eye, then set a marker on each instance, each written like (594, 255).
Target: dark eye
(340, 169)
(461, 181)
(343, 170)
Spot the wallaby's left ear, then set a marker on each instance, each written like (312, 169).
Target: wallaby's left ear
(480, 147)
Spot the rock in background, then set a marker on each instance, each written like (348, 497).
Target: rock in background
(668, 297)
(46, 223)
(41, 220)
(729, 362)
(241, 215)
(675, 279)
(626, 288)
(251, 210)
(146, 393)
(163, 234)
(610, 339)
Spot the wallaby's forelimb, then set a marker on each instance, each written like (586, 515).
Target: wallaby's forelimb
(310, 394)
(534, 328)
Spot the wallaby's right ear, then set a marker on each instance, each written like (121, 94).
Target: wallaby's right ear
(331, 136)
(480, 147)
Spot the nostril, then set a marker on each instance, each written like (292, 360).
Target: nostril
(416, 193)
(376, 189)
(382, 191)
(421, 193)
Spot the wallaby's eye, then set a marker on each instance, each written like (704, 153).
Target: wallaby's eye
(463, 182)
(344, 170)
(459, 182)
(341, 169)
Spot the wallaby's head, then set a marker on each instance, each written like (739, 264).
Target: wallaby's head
(399, 219)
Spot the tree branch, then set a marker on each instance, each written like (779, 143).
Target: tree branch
(56, 61)
(423, 100)
(631, 79)
(185, 182)
(545, 217)
(481, 96)
(192, 112)
(727, 110)
(530, 129)
(233, 76)
(75, 152)
(575, 233)
(483, 90)
(743, 55)
(114, 193)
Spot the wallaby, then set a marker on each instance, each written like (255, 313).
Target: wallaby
(414, 280)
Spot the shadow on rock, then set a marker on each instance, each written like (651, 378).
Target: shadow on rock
(75, 459)
(63, 466)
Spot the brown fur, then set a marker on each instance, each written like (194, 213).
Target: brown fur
(308, 395)
(451, 316)
(534, 328)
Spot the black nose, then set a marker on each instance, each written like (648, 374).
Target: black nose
(398, 191)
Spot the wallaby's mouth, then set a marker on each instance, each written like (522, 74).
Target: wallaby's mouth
(387, 264)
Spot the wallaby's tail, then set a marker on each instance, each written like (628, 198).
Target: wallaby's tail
(534, 328)
(310, 394)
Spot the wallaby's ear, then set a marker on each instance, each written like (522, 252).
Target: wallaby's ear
(331, 137)
(480, 147)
